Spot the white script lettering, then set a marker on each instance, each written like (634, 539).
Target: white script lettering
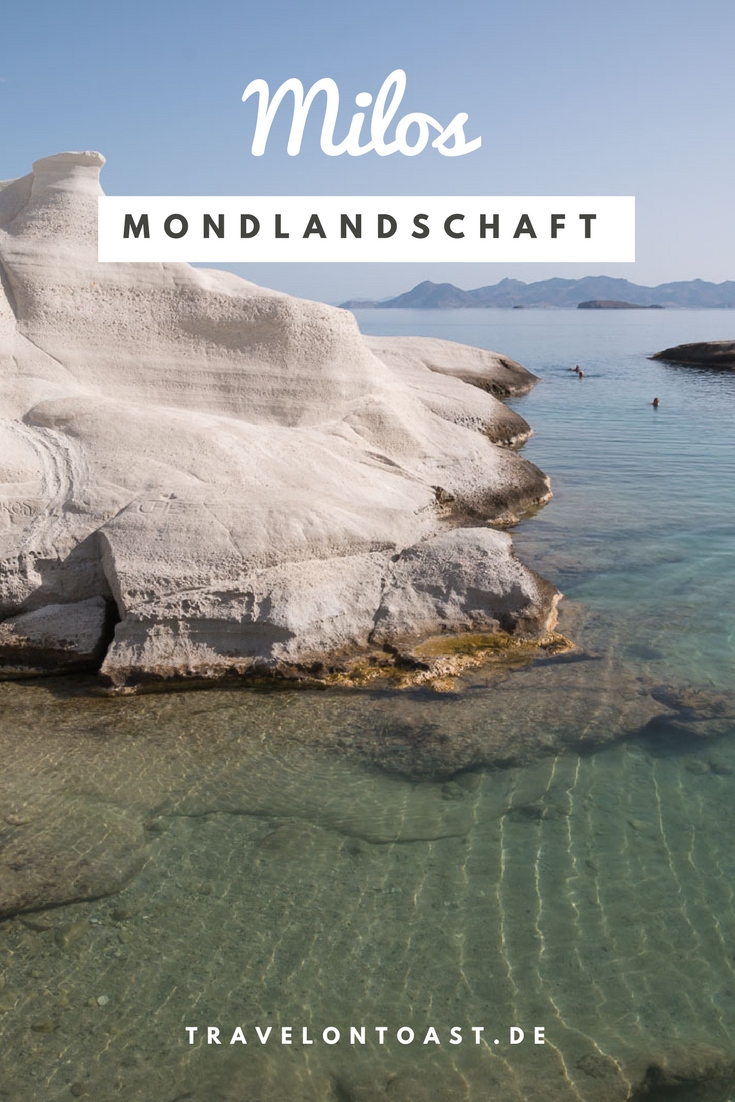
(384, 110)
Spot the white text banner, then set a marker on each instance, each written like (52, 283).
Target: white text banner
(367, 229)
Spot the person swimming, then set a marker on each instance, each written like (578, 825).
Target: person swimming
(580, 374)
(655, 403)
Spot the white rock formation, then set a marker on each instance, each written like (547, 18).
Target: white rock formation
(55, 638)
(250, 481)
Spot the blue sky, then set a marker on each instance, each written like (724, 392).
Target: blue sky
(570, 97)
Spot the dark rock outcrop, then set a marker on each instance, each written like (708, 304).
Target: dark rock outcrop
(719, 354)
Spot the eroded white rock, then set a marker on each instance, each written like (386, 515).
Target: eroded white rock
(240, 471)
(55, 638)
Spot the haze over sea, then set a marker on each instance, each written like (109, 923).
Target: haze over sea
(284, 883)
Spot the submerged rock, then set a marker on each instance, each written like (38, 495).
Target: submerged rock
(239, 472)
(700, 1072)
(73, 851)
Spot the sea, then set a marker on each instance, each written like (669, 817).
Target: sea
(335, 880)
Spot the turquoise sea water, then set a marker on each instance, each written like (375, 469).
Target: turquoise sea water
(642, 525)
(303, 859)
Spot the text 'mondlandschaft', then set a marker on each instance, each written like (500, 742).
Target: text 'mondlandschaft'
(366, 228)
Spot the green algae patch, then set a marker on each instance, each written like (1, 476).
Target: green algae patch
(496, 643)
(435, 663)
(438, 661)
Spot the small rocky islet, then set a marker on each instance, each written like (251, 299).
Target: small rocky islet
(715, 354)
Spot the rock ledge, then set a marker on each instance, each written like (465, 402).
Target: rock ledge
(246, 482)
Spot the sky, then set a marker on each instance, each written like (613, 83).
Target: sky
(569, 97)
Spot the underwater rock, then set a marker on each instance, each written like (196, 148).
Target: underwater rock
(70, 852)
(70, 932)
(695, 1073)
(236, 469)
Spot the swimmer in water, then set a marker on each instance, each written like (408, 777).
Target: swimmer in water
(580, 374)
(655, 403)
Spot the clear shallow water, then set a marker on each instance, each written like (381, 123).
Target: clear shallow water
(642, 525)
(291, 858)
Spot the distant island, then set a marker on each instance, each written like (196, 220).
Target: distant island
(590, 293)
(613, 304)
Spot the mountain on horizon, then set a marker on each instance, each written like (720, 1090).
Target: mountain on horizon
(508, 293)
